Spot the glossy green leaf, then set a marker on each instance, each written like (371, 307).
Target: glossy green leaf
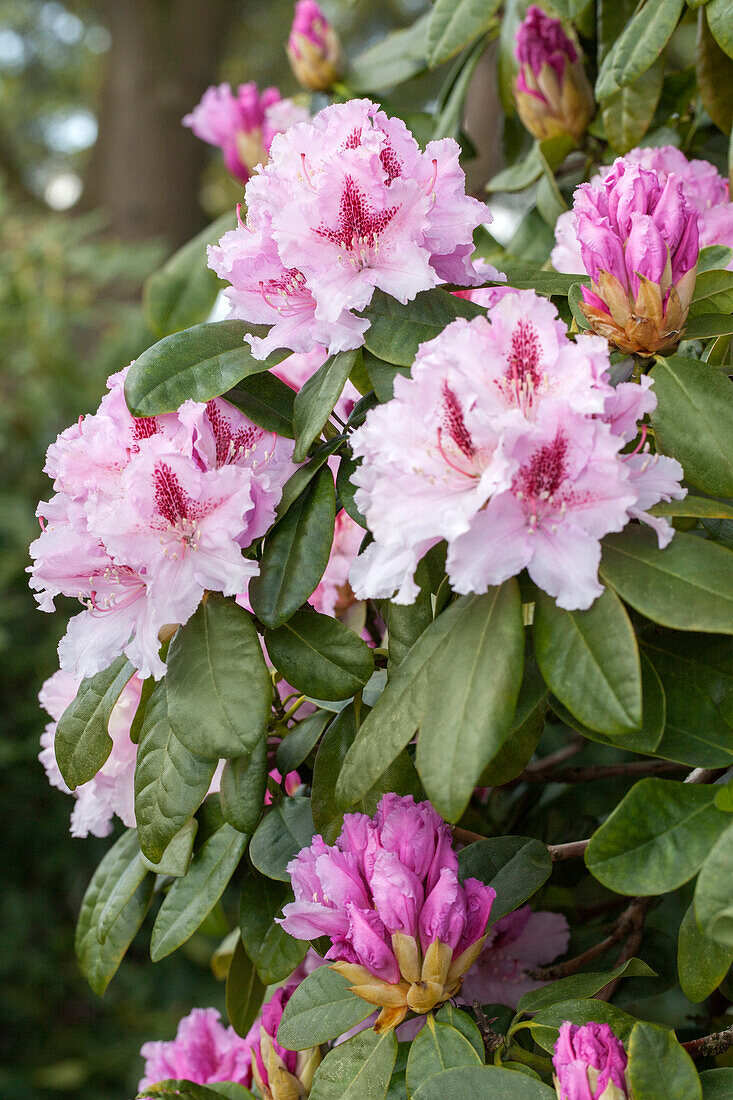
(639, 45)
(659, 1069)
(267, 401)
(464, 1023)
(480, 1081)
(713, 293)
(189, 1090)
(470, 700)
(319, 655)
(545, 1026)
(191, 898)
(454, 24)
(171, 782)
(243, 786)
(720, 21)
(451, 106)
(693, 506)
(219, 688)
(578, 986)
(184, 291)
(346, 489)
(590, 660)
(245, 992)
(701, 962)
(296, 553)
(687, 586)
(693, 420)
(359, 1069)
(281, 834)
(177, 856)
(527, 726)
(704, 325)
(320, 1009)
(392, 60)
(396, 331)
(199, 363)
(656, 838)
(121, 892)
(518, 176)
(304, 475)
(717, 1084)
(274, 953)
(437, 1047)
(714, 890)
(315, 400)
(99, 961)
(299, 742)
(628, 113)
(543, 282)
(515, 866)
(82, 743)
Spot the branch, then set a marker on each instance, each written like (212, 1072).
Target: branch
(636, 912)
(705, 775)
(587, 773)
(567, 851)
(710, 1045)
(622, 927)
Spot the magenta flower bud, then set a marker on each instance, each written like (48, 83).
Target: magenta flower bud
(314, 48)
(639, 243)
(552, 92)
(279, 1074)
(443, 916)
(590, 1064)
(368, 936)
(398, 894)
(203, 1051)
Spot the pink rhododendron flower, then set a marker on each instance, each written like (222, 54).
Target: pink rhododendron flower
(506, 443)
(202, 1051)
(334, 595)
(517, 943)
(590, 1064)
(314, 49)
(703, 187)
(552, 92)
(277, 1072)
(243, 124)
(404, 929)
(148, 514)
(348, 203)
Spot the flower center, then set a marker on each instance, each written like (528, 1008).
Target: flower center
(359, 227)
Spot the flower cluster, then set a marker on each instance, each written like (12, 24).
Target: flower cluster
(347, 203)
(704, 188)
(404, 929)
(314, 49)
(590, 1064)
(147, 514)
(243, 125)
(639, 243)
(203, 1051)
(506, 443)
(552, 92)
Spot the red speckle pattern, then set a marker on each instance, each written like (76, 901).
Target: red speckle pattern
(230, 444)
(358, 224)
(542, 477)
(524, 355)
(171, 500)
(454, 423)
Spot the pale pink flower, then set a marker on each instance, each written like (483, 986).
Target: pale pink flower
(203, 1051)
(590, 1063)
(334, 596)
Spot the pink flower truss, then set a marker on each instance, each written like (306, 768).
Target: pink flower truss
(243, 125)
(517, 943)
(347, 203)
(499, 443)
(149, 513)
(202, 1051)
(589, 1060)
(703, 187)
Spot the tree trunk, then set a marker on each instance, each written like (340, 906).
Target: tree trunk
(146, 167)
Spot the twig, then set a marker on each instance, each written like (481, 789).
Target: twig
(567, 851)
(705, 775)
(573, 747)
(637, 911)
(710, 1045)
(493, 1040)
(623, 925)
(587, 773)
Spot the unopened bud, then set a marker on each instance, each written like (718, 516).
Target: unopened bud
(314, 48)
(552, 92)
(590, 1062)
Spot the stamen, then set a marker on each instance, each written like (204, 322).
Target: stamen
(639, 446)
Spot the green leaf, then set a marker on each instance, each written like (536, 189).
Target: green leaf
(687, 586)
(452, 105)
(437, 1047)
(382, 375)
(300, 741)
(396, 331)
(578, 986)
(243, 786)
(405, 623)
(569, 9)
(713, 293)
(515, 866)
(659, 1069)
(346, 489)
(590, 660)
(639, 45)
(171, 782)
(529, 720)
(120, 894)
(315, 400)
(543, 282)
(99, 961)
(219, 689)
(296, 553)
(717, 1084)
(720, 21)
(545, 1026)
(192, 897)
(454, 24)
(281, 834)
(82, 743)
(656, 838)
(701, 962)
(304, 475)
(392, 60)
(359, 1069)
(267, 401)
(245, 992)
(188, 1090)
(470, 700)
(704, 325)
(693, 420)
(693, 506)
(199, 363)
(184, 291)
(628, 113)
(177, 856)
(464, 1023)
(713, 256)
(714, 890)
(319, 655)
(482, 1081)
(320, 1009)
(274, 953)
(518, 176)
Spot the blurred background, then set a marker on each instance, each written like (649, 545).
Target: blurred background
(99, 183)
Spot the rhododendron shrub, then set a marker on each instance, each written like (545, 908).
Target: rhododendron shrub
(403, 660)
